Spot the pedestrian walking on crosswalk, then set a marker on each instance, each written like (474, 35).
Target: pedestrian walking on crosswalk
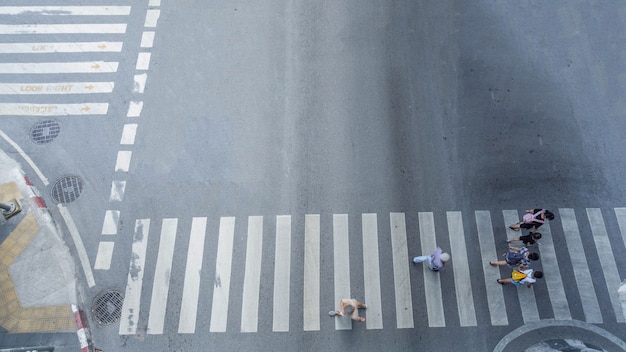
(349, 308)
(528, 239)
(533, 219)
(436, 261)
(516, 256)
(522, 276)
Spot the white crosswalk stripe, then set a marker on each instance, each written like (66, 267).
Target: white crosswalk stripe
(22, 98)
(308, 237)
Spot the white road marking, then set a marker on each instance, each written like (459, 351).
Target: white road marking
(282, 270)
(128, 134)
(117, 191)
(140, 83)
(48, 47)
(104, 256)
(66, 10)
(221, 283)
(252, 276)
(607, 259)
(78, 243)
(58, 67)
(193, 271)
(311, 302)
(495, 296)
(122, 164)
(24, 109)
(587, 292)
(143, 61)
(132, 299)
(109, 225)
(134, 109)
(526, 297)
(341, 254)
(147, 39)
(432, 281)
(154, 3)
(30, 161)
(152, 16)
(401, 274)
(552, 275)
(371, 271)
(87, 28)
(161, 281)
(56, 88)
(462, 281)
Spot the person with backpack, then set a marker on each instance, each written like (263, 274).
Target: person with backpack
(528, 239)
(522, 276)
(533, 219)
(516, 256)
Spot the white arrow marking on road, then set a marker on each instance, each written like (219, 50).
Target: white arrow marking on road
(44, 48)
(58, 67)
(110, 28)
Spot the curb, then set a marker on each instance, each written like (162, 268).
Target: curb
(82, 329)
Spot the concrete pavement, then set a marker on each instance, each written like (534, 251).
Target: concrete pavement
(37, 274)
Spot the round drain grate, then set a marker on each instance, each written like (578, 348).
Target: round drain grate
(67, 189)
(107, 307)
(44, 131)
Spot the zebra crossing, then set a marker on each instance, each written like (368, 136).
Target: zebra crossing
(483, 227)
(33, 71)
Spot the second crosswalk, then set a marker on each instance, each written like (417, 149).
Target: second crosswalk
(415, 288)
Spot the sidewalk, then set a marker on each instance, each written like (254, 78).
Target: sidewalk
(37, 274)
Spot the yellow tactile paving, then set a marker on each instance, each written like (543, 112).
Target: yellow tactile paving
(18, 240)
(13, 317)
(9, 191)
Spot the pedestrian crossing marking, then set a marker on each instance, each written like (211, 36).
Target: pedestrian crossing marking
(282, 270)
(58, 67)
(401, 273)
(56, 88)
(435, 297)
(526, 297)
(589, 300)
(221, 283)
(132, 298)
(66, 10)
(252, 276)
(341, 254)
(86, 28)
(462, 282)
(161, 282)
(193, 271)
(488, 251)
(371, 271)
(607, 259)
(311, 292)
(65, 47)
(19, 109)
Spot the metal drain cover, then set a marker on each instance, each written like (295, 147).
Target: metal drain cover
(44, 131)
(107, 307)
(67, 189)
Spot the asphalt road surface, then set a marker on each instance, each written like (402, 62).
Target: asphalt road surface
(275, 157)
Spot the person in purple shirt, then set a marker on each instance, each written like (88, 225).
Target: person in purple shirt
(436, 261)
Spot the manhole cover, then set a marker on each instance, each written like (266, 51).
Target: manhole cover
(44, 131)
(67, 189)
(107, 307)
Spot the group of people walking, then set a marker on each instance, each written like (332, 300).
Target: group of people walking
(517, 257)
